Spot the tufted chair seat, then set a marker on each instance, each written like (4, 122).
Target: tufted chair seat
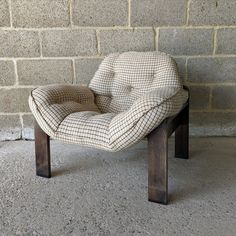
(131, 94)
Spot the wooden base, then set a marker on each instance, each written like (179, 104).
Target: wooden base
(182, 136)
(42, 152)
(158, 153)
(158, 165)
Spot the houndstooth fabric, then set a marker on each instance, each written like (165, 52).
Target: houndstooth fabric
(129, 96)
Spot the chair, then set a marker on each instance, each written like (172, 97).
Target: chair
(133, 95)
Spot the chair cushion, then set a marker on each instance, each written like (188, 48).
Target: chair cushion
(86, 128)
(81, 122)
(122, 78)
(105, 116)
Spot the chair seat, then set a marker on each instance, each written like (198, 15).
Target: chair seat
(69, 113)
(87, 128)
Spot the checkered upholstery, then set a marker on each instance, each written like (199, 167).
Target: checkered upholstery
(129, 96)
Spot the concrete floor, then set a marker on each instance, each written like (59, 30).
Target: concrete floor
(99, 193)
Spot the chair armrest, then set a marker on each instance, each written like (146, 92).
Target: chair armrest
(145, 114)
(149, 101)
(57, 94)
(51, 104)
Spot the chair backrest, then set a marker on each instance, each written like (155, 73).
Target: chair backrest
(124, 77)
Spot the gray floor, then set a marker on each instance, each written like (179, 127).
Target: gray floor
(99, 193)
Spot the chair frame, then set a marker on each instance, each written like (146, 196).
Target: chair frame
(157, 152)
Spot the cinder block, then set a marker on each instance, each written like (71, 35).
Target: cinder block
(7, 73)
(199, 97)
(186, 41)
(158, 12)
(213, 123)
(10, 127)
(28, 127)
(14, 100)
(209, 12)
(19, 43)
(212, 70)
(224, 97)
(56, 43)
(226, 41)
(85, 69)
(41, 72)
(4, 13)
(126, 40)
(40, 13)
(100, 13)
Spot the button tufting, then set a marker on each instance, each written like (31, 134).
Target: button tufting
(130, 88)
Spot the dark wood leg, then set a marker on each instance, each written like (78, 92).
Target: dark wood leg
(182, 135)
(158, 165)
(42, 152)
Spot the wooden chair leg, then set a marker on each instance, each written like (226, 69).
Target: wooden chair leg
(42, 152)
(158, 165)
(182, 135)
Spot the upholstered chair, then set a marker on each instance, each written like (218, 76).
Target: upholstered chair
(133, 95)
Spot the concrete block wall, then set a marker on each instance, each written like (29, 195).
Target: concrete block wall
(64, 41)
